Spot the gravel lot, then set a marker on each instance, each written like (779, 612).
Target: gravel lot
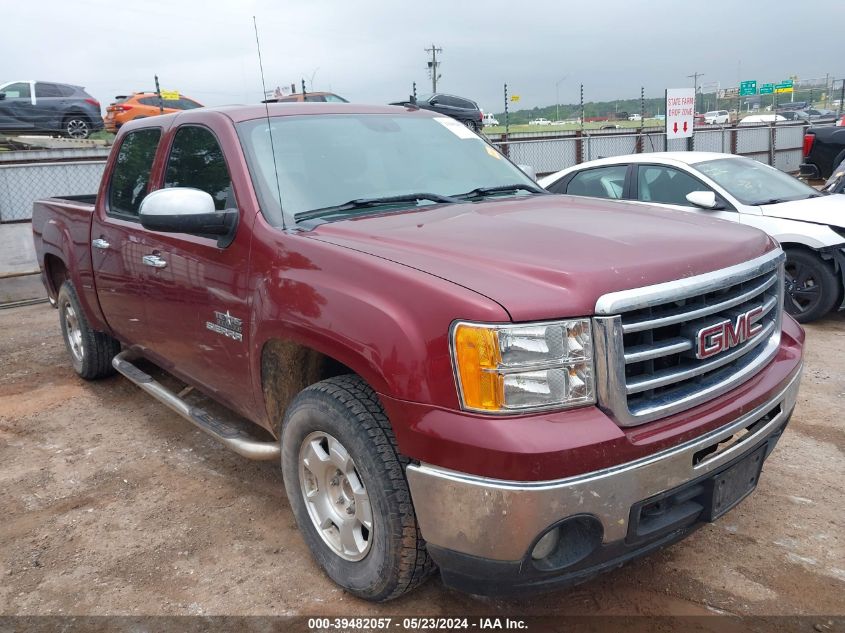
(111, 504)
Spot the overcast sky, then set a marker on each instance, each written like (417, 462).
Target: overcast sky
(371, 51)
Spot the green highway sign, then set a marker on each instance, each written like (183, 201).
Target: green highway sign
(784, 86)
(747, 88)
(767, 89)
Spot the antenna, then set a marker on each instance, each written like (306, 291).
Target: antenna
(267, 113)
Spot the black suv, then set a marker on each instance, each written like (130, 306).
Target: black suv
(42, 107)
(464, 110)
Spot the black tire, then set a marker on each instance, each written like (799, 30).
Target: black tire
(76, 126)
(90, 352)
(812, 287)
(346, 408)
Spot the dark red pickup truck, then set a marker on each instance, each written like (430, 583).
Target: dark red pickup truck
(455, 368)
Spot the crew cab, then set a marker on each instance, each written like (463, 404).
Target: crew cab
(824, 149)
(454, 368)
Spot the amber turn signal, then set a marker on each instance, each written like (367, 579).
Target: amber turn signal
(477, 358)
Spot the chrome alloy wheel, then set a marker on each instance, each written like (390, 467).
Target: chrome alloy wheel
(78, 128)
(73, 333)
(335, 496)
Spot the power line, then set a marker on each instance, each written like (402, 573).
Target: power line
(695, 77)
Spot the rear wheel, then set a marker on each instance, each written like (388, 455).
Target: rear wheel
(345, 482)
(91, 352)
(812, 287)
(76, 126)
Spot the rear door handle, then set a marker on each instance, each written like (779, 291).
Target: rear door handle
(154, 260)
(100, 243)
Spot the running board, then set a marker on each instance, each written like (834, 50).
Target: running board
(230, 435)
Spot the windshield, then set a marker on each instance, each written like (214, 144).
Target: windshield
(328, 160)
(754, 183)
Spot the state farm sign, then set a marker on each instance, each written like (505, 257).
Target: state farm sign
(680, 112)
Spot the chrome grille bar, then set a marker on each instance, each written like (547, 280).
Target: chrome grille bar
(645, 339)
(680, 315)
(671, 376)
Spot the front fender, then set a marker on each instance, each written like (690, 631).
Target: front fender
(387, 322)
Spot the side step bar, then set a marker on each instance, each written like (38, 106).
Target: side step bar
(225, 432)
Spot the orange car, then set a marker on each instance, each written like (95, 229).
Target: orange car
(141, 105)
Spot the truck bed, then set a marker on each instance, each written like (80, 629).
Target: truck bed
(61, 228)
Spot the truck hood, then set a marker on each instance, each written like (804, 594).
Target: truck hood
(548, 256)
(822, 210)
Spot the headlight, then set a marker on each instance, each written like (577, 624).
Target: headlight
(513, 368)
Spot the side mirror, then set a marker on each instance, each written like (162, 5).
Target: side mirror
(2, 96)
(433, 102)
(528, 170)
(703, 199)
(187, 210)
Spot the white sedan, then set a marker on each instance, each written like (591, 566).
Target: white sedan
(810, 226)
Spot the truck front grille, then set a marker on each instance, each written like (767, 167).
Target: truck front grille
(661, 349)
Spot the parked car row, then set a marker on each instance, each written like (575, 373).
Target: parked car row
(43, 107)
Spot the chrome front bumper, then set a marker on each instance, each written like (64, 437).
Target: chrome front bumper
(499, 520)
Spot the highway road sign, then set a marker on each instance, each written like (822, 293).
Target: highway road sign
(767, 89)
(747, 88)
(784, 86)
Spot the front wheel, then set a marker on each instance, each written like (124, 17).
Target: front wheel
(345, 482)
(812, 287)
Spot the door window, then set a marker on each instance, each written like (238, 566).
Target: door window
(601, 182)
(43, 90)
(131, 176)
(656, 183)
(196, 160)
(19, 90)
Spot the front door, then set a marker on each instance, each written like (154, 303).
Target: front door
(197, 292)
(669, 186)
(17, 112)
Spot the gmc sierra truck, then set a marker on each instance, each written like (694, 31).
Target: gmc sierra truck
(454, 368)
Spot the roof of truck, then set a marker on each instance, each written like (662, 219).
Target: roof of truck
(248, 112)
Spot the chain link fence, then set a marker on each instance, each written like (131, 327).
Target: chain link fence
(25, 178)
(776, 145)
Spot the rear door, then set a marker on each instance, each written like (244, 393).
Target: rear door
(198, 296)
(50, 105)
(118, 240)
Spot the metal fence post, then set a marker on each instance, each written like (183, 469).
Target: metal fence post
(579, 147)
(772, 136)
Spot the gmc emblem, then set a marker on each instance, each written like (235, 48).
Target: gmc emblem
(724, 335)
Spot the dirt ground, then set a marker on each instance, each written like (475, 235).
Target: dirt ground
(111, 504)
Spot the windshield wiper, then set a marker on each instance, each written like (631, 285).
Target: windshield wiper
(485, 191)
(365, 203)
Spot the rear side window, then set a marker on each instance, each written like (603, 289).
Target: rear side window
(131, 176)
(188, 104)
(150, 101)
(335, 99)
(315, 98)
(601, 182)
(196, 160)
(43, 90)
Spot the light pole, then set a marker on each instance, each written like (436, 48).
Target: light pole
(557, 97)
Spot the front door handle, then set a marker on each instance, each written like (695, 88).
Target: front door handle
(154, 260)
(100, 243)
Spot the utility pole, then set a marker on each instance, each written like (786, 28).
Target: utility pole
(557, 97)
(695, 77)
(433, 66)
